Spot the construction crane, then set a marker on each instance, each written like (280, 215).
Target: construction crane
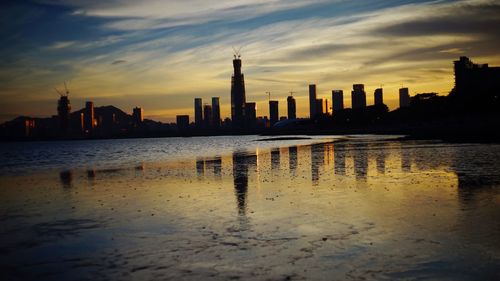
(66, 93)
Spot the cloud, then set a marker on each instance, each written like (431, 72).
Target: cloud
(61, 45)
(411, 44)
(154, 14)
(118, 62)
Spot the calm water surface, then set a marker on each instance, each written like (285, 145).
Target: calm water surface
(327, 208)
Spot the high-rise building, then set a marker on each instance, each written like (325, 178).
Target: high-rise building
(338, 100)
(237, 95)
(198, 112)
(358, 96)
(182, 122)
(312, 101)
(292, 107)
(321, 107)
(477, 82)
(207, 116)
(404, 97)
(251, 114)
(273, 111)
(216, 112)
(89, 116)
(63, 112)
(379, 96)
(138, 115)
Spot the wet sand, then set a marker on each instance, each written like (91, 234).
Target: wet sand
(351, 210)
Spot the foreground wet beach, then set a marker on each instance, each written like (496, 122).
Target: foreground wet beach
(334, 209)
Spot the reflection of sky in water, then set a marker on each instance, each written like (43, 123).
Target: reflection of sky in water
(346, 210)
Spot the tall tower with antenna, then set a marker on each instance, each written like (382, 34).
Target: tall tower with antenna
(63, 109)
(237, 92)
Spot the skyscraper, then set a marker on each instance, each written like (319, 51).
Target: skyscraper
(273, 111)
(292, 107)
(338, 100)
(207, 116)
(312, 101)
(237, 94)
(182, 122)
(198, 112)
(477, 82)
(216, 112)
(379, 96)
(63, 111)
(358, 96)
(89, 116)
(251, 114)
(138, 115)
(404, 97)
(321, 107)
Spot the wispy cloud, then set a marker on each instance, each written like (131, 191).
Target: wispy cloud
(176, 50)
(153, 14)
(61, 45)
(118, 62)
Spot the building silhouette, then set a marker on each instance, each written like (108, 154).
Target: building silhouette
(138, 115)
(273, 112)
(321, 107)
(89, 116)
(198, 112)
(476, 81)
(216, 112)
(379, 96)
(404, 98)
(337, 100)
(238, 98)
(182, 122)
(63, 112)
(291, 107)
(358, 96)
(312, 101)
(207, 116)
(251, 114)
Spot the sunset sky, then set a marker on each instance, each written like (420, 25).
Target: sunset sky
(160, 55)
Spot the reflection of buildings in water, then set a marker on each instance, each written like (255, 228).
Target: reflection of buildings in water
(381, 155)
(317, 160)
(360, 157)
(91, 174)
(472, 180)
(205, 165)
(275, 158)
(140, 167)
(405, 159)
(200, 167)
(241, 164)
(339, 151)
(292, 159)
(216, 165)
(328, 148)
(66, 178)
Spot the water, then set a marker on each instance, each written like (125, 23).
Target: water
(34, 156)
(329, 208)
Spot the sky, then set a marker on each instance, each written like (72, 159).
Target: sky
(160, 55)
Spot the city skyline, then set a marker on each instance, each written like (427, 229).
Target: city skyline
(159, 61)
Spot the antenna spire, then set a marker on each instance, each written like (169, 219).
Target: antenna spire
(236, 52)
